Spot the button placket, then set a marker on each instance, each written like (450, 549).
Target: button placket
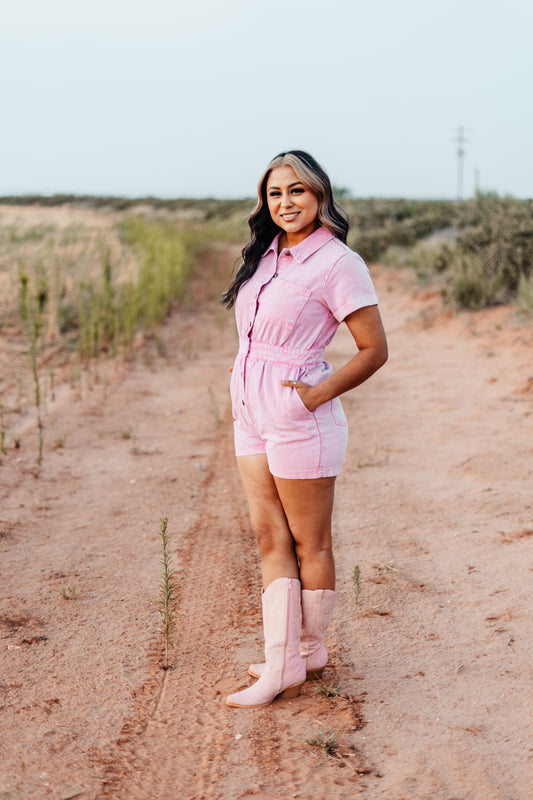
(253, 313)
(283, 254)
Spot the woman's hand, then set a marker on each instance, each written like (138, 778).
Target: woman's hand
(305, 390)
(367, 330)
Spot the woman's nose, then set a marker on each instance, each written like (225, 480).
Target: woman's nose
(286, 199)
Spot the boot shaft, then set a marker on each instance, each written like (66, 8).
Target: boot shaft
(282, 625)
(284, 670)
(317, 610)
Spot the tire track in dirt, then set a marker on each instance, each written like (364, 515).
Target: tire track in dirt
(182, 740)
(185, 741)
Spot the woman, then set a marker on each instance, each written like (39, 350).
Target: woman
(297, 283)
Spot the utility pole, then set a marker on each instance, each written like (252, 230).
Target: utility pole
(461, 141)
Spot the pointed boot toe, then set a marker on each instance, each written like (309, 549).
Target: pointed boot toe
(284, 671)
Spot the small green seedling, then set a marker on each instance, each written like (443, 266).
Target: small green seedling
(324, 742)
(328, 690)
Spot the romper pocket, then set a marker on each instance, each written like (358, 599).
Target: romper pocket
(337, 412)
(296, 406)
(280, 306)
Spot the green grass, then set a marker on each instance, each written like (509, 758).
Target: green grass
(113, 309)
(328, 690)
(99, 287)
(324, 742)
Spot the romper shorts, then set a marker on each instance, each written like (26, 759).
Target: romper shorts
(272, 419)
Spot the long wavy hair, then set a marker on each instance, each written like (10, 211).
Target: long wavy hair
(263, 229)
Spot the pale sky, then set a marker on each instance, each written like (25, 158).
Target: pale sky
(176, 99)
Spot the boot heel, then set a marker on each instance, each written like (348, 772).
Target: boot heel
(314, 674)
(291, 691)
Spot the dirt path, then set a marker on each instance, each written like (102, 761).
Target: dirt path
(434, 505)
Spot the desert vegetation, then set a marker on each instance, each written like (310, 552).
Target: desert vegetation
(480, 251)
(94, 290)
(94, 281)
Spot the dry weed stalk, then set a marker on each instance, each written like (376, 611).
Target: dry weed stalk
(2, 431)
(167, 596)
(35, 326)
(356, 578)
(214, 406)
(33, 318)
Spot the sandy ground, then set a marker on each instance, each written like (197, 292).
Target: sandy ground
(430, 669)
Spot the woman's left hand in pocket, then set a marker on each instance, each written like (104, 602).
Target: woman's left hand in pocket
(304, 390)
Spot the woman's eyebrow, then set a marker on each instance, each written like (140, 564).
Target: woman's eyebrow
(296, 183)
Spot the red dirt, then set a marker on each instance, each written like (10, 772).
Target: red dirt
(434, 504)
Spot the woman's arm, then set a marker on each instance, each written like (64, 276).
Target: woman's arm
(367, 330)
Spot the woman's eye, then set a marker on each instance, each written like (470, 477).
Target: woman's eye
(273, 194)
(299, 190)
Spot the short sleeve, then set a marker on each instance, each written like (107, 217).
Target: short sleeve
(348, 286)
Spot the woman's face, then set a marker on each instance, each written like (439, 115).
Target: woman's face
(292, 205)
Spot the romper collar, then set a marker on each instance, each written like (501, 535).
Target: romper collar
(306, 248)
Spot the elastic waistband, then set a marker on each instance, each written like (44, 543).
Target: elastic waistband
(283, 355)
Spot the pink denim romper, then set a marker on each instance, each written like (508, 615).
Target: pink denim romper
(287, 313)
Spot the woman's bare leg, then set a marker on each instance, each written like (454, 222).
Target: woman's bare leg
(268, 520)
(292, 522)
(308, 507)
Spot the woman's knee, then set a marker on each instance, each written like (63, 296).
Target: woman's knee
(310, 552)
(272, 542)
(270, 528)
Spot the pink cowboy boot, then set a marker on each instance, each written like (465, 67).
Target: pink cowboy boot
(317, 611)
(284, 671)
